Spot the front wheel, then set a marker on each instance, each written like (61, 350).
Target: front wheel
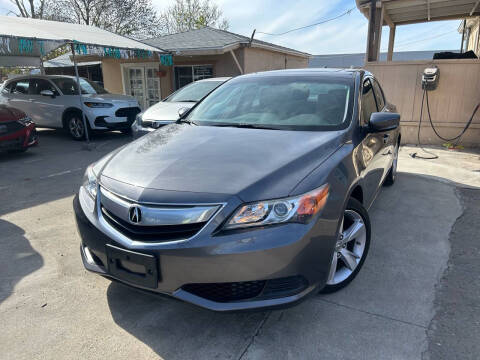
(351, 248)
(75, 127)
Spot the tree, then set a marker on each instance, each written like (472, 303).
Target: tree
(186, 15)
(29, 8)
(135, 18)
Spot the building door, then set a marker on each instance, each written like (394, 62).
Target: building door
(143, 83)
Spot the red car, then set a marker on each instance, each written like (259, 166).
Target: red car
(17, 130)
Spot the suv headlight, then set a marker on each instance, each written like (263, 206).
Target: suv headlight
(27, 120)
(300, 209)
(90, 182)
(98, 105)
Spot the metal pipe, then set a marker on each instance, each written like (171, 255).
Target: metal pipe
(84, 118)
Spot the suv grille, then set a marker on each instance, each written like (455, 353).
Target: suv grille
(130, 113)
(152, 233)
(10, 127)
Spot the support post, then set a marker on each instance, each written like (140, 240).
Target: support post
(84, 118)
(463, 34)
(236, 62)
(374, 31)
(391, 42)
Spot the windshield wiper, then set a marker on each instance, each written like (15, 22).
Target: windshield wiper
(191, 122)
(246, 126)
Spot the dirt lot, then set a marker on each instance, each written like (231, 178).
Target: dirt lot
(416, 297)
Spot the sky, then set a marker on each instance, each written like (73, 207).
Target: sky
(347, 34)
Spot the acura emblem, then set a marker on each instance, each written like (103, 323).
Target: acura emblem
(135, 214)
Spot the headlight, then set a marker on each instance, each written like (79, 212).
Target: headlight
(90, 182)
(98, 105)
(299, 209)
(25, 121)
(138, 119)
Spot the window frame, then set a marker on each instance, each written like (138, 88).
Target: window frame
(376, 84)
(364, 122)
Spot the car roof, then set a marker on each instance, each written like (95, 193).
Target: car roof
(324, 72)
(225, 78)
(28, 76)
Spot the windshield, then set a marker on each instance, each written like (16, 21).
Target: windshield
(68, 86)
(194, 92)
(279, 102)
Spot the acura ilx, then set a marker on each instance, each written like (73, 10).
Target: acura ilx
(256, 197)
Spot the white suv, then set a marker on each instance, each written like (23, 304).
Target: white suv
(52, 101)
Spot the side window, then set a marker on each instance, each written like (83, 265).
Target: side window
(7, 89)
(369, 105)
(379, 95)
(38, 85)
(20, 87)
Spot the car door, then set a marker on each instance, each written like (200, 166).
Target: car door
(45, 110)
(372, 149)
(16, 95)
(389, 137)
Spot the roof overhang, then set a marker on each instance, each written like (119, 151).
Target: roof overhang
(403, 12)
(227, 48)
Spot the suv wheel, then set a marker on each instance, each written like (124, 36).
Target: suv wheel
(75, 127)
(351, 248)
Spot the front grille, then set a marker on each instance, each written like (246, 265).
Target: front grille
(249, 290)
(130, 113)
(152, 233)
(10, 127)
(226, 292)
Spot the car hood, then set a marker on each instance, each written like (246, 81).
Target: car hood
(8, 113)
(165, 110)
(250, 163)
(113, 98)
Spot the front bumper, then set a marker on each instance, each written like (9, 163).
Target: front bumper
(115, 118)
(276, 265)
(21, 139)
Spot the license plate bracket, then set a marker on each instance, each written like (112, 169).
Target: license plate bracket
(132, 267)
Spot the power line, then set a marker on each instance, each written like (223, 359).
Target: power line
(425, 39)
(307, 26)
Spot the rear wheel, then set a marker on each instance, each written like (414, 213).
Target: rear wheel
(351, 248)
(75, 127)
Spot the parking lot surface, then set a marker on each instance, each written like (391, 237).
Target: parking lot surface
(416, 296)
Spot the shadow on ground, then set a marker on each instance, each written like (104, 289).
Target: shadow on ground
(17, 258)
(389, 305)
(51, 171)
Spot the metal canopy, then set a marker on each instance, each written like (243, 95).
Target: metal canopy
(31, 39)
(403, 12)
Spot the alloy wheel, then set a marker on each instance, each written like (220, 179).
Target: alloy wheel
(349, 249)
(76, 128)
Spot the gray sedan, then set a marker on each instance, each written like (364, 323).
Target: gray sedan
(256, 198)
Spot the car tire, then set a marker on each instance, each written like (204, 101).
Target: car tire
(351, 248)
(392, 173)
(74, 126)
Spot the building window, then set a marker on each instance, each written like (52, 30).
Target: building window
(186, 74)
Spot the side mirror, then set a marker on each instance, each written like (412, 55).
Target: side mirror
(47, 93)
(182, 111)
(383, 121)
